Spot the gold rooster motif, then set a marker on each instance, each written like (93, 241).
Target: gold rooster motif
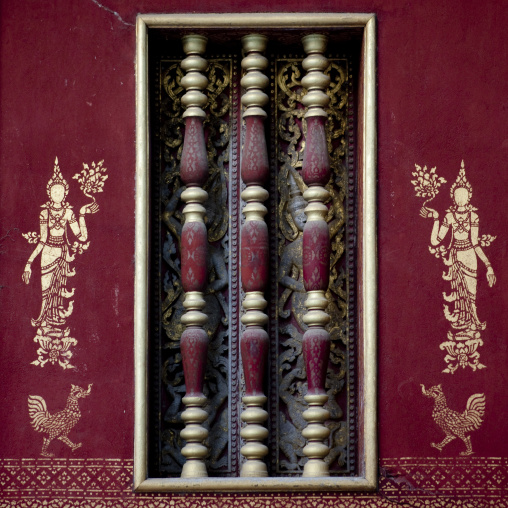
(56, 425)
(453, 423)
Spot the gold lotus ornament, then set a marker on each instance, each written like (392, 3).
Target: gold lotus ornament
(426, 183)
(54, 347)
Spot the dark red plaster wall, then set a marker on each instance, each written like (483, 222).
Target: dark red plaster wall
(67, 89)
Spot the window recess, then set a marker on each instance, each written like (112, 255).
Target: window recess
(224, 264)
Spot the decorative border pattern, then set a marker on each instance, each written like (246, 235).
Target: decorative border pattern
(234, 275)
(457, 477)
(237, 501)
(419, 482)
(69, 478)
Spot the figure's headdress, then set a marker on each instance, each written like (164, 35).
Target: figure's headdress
(296, 200)
(57, 179)
(462, 182)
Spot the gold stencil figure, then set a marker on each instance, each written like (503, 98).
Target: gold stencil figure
(57, 425)
(461, 257)
(54, 248)
(453, 423)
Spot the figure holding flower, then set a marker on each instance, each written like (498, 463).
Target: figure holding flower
(465, 247)
(460, 254)
(53, 245)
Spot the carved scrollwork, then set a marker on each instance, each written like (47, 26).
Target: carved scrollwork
(223, 381)
(217, 129)
(290, 144)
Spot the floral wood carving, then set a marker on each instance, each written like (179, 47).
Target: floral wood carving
(216, 387)
(223, 378)
(291, 387)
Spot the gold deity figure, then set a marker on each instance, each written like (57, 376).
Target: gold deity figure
(55, 219)
(463, 251)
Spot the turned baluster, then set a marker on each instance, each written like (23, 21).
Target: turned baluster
(254, 256)
(194, 245)
(316, 256)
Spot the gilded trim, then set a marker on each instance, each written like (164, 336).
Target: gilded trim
(368, 234)
(367, 480)
(141, 257)
(257, 20)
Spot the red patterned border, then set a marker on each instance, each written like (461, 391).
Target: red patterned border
(227, 501)
(98, 483)
(457, 477)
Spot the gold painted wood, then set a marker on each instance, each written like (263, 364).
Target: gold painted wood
(290, 306)
(235, 21)
(316, 100)
(254, 303)
(194, 415)
(168, 223)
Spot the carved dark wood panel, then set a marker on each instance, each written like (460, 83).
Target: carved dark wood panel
(286, 383)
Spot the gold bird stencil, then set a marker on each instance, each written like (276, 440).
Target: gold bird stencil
(453, 423)
(59, 424)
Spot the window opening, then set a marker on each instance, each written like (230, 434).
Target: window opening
(286, 132)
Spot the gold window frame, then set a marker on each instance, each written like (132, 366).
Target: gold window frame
(367, 243)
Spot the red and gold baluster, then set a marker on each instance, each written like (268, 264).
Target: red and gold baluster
(254, 255)
(316, 255)
(194, 245)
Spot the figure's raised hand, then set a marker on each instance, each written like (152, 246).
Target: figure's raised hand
(428, 213)
(491, 278)
(27, 273)
(90, 208)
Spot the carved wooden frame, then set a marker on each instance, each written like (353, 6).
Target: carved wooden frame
(367, 243)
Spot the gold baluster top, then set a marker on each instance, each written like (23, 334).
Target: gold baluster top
(254, 80)
(194, 81)
(315, 81)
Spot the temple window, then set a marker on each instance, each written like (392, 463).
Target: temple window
(255, 311)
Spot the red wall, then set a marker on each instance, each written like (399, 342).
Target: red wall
(67, 89)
